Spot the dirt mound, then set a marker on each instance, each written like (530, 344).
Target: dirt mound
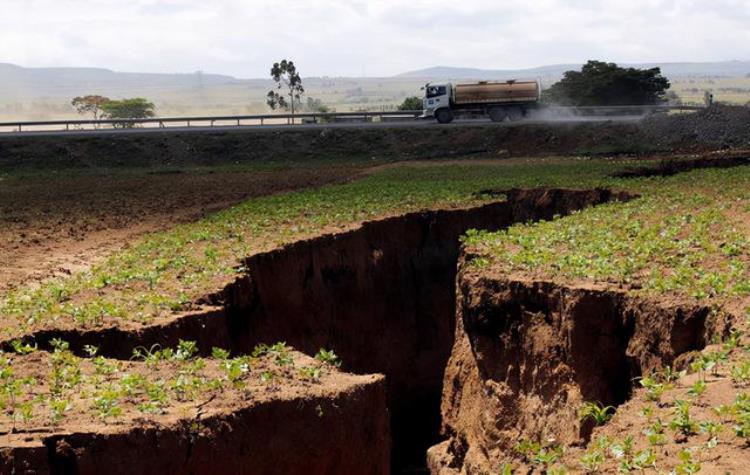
(528, 355)
(718, 126)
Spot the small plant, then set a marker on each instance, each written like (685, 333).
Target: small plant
(681, 422)
(107, 405)
(506, 469)
(592, 460)
(23, 348)
(655, 433)
(687, 466)
(58, 408)
(186, 350)
(740, 373)
(712, 429)
(328, 357)
(219, 353)
(654, 389)
(311, 372)
(670, 375)
(622, 449)
(599, 413)
(698, 388)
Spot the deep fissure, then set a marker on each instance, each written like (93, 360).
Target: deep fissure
(382, 296)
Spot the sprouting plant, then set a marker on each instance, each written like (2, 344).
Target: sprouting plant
(27, 411)
(732, 341)
(279, 352)
(158, 398)
(599, 413)
(681, 421)
(149, 355)
(654, 389)
(107, 405)
(186, 350)
(90, 350)
(58, 408)
(592, 460)
(219, 353)
(546, 456)
(506, 469)
(740, 373)
(132, 384)
(266, 376)
(103, 367)
(22, 348)
(687, 466)
(639, 461)
(328, 357)
(311, 372)
(712, 429)
(557, 470)
(622, 449)
(655, 433)
(698, 388)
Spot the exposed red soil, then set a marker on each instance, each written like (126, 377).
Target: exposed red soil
(389, 281)
(58, 223)
(528, 354)
(337, 425)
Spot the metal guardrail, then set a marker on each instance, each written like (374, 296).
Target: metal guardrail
(303, 118)
(210, 121)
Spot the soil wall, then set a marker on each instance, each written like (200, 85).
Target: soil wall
(529, 354)
(342, 433)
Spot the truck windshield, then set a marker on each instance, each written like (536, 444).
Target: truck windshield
(434, 91)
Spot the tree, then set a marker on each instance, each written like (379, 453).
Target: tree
(316, 105)
(606, 84)
(412, 103)
(136, 108)
(89, 105)
(288, 83)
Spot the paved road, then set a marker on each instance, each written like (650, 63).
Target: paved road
(262, 128)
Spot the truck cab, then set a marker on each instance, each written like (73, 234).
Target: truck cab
(436, 96)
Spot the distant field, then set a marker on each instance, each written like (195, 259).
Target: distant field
(730, 90)
(340, 94)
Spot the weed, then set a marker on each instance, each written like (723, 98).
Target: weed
(599, 413)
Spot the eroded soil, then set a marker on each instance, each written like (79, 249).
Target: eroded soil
(56, 223)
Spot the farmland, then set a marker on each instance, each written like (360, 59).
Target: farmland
(281, 287)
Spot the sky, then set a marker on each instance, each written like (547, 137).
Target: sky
(366, 37)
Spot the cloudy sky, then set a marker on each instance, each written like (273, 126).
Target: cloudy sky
(366, 37)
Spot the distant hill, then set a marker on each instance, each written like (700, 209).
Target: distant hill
(28, 83)
(554, 72)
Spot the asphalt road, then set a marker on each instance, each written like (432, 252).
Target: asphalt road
(279, 127)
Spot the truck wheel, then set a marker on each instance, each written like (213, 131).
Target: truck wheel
(497, 114)
(515, 113)
(444, 116)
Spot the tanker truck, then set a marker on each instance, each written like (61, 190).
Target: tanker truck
(497, 100)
